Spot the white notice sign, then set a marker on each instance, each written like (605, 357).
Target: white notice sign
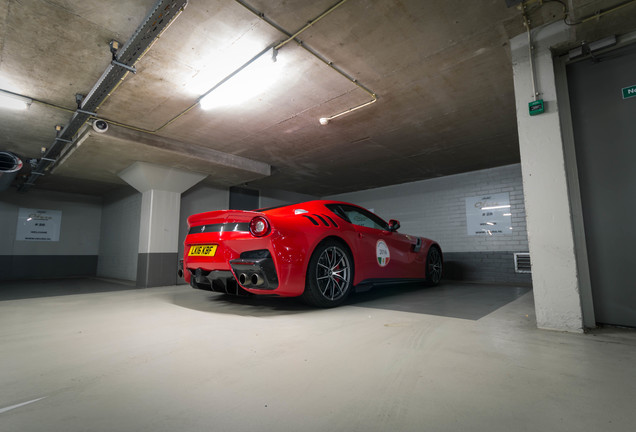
(489, 214)
(38, 225)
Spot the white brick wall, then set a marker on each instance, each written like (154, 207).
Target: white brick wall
(436, 208)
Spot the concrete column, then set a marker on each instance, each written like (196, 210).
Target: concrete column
(161, 189)
(561, 300)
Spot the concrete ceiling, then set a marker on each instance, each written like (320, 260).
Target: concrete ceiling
(440, 68)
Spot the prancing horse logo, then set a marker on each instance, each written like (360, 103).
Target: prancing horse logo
(203, 228)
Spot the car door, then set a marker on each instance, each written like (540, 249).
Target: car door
(382, 253)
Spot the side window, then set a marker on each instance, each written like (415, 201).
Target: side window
(361, 217)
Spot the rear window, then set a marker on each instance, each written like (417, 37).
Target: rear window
(358, 216)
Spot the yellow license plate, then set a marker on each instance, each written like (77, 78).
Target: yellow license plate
(202, 250)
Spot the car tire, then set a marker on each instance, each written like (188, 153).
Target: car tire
(434, 266)
(329, 277)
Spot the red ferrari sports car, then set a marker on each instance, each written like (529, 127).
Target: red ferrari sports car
(319, 250)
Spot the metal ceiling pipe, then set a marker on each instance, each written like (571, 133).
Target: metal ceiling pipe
(293, 37)
(156, 22)
(10, 165)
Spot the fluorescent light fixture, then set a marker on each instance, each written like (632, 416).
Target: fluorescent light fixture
(602, 43)
(576, 52)
(507, 214)
(490, 223)
(247, 83)
(13, 101)
(496, 207)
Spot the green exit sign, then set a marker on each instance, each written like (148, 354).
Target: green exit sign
(629, 92)
(535, 107)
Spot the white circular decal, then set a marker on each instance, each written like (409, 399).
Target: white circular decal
(382, 253)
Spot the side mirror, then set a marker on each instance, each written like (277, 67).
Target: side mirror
(394, 225)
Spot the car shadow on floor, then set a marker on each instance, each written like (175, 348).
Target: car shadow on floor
(453, 299)
(259, 306)
(450, 299)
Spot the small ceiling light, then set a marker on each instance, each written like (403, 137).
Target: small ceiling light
(78, 99)
(325, 120)
(13, 101)
(114, 47)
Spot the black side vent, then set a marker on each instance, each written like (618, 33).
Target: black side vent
(313, 221)
(522, 262)
(331, 220)
(324, 222)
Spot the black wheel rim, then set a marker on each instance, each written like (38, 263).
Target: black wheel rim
(333, 273)
(434, 265)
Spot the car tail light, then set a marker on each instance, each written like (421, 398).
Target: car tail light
(259, 226)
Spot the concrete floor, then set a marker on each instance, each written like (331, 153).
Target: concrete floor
(115, 358)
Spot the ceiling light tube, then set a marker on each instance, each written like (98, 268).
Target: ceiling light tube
(495, 207)
(256, 79)
(14, 101)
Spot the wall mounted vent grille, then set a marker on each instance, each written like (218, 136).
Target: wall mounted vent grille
(522, 262)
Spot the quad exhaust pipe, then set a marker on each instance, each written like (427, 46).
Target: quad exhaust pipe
(256, 279)
(257, 273)
(250, 280)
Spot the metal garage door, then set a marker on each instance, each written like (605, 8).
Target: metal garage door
(604, 120)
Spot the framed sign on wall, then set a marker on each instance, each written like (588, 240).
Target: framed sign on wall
(38, 225)
(489, 215)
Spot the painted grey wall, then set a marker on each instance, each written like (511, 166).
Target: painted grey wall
(606, 158)
(198, 199)
(242, 198)
(436, 209)
(274, 197)
(75, 254)
(119, 236)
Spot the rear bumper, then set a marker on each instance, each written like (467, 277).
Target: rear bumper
(215, 280)
(245, 274)
(255, 273)
(271, 265)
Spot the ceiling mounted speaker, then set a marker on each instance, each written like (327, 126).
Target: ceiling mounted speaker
(100, 126)
(10, 164)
